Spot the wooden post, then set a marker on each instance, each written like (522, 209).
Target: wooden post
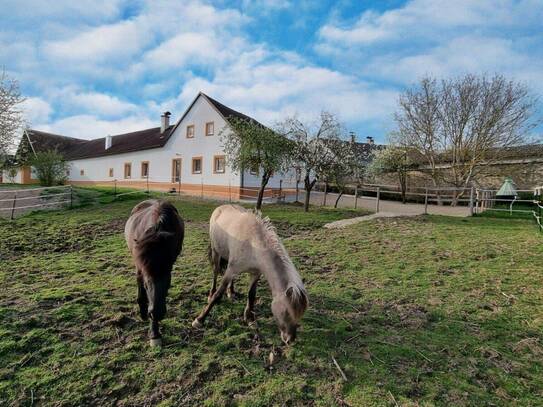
(229, 191)
(115, 188)
(13, 206)
(71, 197)
(426, 201)
(377, 200)
(471, 195)
(202, 190)
(355, 196)
(179, 187)
(297, 189)
(325, 193)
(147, 184)
(280, 189)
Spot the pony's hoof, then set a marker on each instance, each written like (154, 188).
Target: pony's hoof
(197, 324)
(155, 342)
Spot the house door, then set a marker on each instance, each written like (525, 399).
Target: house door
(176, 170)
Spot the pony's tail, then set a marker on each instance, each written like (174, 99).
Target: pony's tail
(209, 253)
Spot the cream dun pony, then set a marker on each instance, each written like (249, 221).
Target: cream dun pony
(242, 241)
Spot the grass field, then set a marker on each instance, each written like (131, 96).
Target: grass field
(416, 311)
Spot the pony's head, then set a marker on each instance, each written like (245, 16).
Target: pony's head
(288, 309)
(154, 257)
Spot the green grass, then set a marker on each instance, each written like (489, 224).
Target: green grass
(416, 311)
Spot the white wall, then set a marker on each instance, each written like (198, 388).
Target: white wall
(160, 159)
(17, 180)
(288, 178)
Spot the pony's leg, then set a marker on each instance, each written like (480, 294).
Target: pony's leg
(216, 265)
(155, 339)
(143, 302)
(249, 313)
(230, 291)
(227, 278)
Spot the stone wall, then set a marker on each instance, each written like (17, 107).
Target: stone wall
(525, 176)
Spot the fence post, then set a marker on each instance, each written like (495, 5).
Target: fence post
(13, 206)
(426, 201)
(202, 190)
(325, 193)
(229, 191)
(297, 189)
(147, 184)
(377, 200)
(71, 196)
(471, 194)
(280, 189)
(115, 188)
(355, 196)
(179, 187)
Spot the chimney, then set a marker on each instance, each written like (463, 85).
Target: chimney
(109, 141)
(353, 136)
(370, 140)
(164, 121)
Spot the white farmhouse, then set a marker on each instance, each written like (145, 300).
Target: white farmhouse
(186, 156)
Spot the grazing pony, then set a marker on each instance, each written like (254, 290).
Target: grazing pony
(242, 241)
(154, 234)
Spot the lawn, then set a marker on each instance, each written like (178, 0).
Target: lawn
(418, 311)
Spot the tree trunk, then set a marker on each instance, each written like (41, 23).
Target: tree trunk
(403, 184)
(263, 183)
(308, 186)
(338, 198)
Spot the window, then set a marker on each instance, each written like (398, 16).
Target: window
(82, 172)
(190, 131)
(145, 169)
(197, 165)
(218, 164)
(111, 172)
(210, 128)
(127, 170)
(176, 170)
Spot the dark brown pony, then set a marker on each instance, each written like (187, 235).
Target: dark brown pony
(154, 234)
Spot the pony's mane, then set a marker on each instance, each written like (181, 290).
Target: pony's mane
(295, 291)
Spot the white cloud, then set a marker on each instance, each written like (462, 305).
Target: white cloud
(110, 42)
(269, 90)
(430, 20)
(36, 110)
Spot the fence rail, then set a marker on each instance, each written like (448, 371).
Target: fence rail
(11, 199)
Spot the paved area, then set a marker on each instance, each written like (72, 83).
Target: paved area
(390, 207)
(346, 222)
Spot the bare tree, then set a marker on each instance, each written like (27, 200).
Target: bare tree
(395, 160)
(348, 166)
(11, 117)
(461, 125)
(313, 147)
(250, 145)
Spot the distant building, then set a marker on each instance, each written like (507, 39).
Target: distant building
(186, 155)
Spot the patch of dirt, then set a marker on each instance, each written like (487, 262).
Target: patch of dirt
(411, 315)
(60, 239)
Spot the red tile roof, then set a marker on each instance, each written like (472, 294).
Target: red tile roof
(75, 149)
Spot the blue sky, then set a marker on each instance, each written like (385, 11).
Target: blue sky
(96, 67)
